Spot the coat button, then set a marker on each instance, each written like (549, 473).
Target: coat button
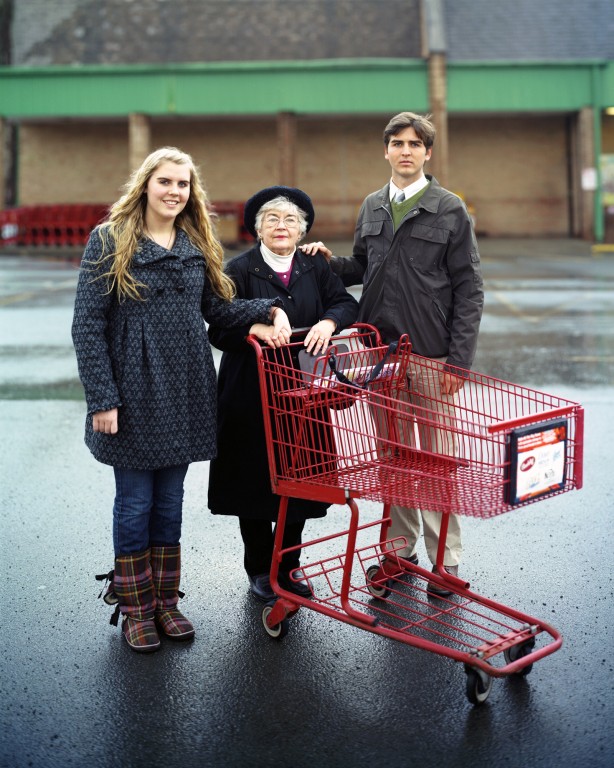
(180, 288)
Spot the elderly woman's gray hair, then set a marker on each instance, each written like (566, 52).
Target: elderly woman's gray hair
(284, 205)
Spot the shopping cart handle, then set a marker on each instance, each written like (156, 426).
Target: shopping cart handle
(375, 371)
(362, 328)
(532, 418)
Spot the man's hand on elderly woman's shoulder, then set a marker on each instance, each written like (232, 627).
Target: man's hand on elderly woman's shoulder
(316, 247)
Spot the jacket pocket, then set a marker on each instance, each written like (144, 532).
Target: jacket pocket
(427, 247)
(376, 246)
(371, 228)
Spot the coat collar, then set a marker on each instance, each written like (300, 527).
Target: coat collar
(257, 265)
(149, 252)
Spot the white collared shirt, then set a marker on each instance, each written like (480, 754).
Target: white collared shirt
(411, 190)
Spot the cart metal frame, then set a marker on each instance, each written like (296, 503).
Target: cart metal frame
(348, 428)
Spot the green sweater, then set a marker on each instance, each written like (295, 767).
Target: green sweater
(400, 209)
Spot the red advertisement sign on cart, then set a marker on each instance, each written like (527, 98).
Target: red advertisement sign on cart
(538, 457)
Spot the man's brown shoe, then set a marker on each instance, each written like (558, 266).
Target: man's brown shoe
(437, 589)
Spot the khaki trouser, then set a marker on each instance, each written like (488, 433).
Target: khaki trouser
(430, 437)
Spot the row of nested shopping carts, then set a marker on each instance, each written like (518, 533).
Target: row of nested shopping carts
(354, 424)
(51, 226)
(70, 224)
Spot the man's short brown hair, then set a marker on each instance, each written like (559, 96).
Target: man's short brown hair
(421, 124)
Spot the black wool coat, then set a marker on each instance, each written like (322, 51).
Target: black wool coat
(239, 480)
(152, 359)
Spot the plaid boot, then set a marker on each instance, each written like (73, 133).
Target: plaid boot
(109, 597)
(137, 601)
(166, 568)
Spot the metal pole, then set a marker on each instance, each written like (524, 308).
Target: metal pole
(286, 139)
(437, 51)
(597, 110)
(139, 139)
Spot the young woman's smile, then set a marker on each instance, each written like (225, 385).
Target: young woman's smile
(168, 191)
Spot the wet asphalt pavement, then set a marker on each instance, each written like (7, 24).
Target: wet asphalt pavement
(328, 695)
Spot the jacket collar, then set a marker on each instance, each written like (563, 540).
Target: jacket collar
(149, 252)
(431, 198)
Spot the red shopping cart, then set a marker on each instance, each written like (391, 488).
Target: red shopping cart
(354, 424)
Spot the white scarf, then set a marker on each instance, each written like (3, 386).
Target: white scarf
(275, 261)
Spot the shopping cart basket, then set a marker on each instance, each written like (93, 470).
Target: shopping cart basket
(354, 423)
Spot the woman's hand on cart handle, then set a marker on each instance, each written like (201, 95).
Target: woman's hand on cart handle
(319, 336)
(316, 247)
(282, 330)
(105, 421)
(266, 334)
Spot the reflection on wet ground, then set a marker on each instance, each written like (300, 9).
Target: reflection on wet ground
(548, 319)
(542, 358)
(346, 696)
(549, 322)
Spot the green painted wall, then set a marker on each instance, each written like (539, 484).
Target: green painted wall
(312, 87)
(527, 87)
(213, 89)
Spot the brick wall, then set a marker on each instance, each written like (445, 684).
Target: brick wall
(513, 170)
(338, 162)
(71, 162)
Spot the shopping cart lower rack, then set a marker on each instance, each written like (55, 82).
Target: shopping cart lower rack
(368, 421)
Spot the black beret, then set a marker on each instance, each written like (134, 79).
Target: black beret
(255, 203)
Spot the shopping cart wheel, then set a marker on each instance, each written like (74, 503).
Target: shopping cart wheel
(478, 685)
(518, 652)
(377, 590)
(278, 630)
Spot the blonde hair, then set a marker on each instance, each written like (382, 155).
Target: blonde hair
(126, 223)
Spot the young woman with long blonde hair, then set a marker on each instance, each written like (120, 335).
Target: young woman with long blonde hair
(150, 276)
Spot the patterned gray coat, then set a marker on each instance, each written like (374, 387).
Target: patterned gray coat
(152, 359)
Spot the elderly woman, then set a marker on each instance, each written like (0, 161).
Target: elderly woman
(313, 296)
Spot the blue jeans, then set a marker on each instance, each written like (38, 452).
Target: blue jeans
(148, 508)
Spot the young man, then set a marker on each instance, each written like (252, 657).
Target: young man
(416, 255)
